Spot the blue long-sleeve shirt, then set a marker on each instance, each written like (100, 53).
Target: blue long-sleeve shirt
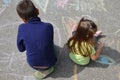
(36, 37)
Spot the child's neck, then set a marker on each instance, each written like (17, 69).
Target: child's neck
(25, 21)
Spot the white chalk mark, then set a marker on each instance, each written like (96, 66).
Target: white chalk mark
(77, 3)
(43, 4)
(113, 33)
(61, 3)
(92, 5)
(2, 9)
(59, 36)
(14, 74)
(11, 60)
(117, 31)
(10, 57)
(29, 78)
(6, 57)
(87, 6)
(8, 24)
(56, 30)
(6, 1)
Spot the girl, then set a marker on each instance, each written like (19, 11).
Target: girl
(81, 44)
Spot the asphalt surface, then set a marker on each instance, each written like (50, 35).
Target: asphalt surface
(62, 14)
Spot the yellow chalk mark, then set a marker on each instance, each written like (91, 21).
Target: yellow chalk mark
(68, 24)
(119, 76)
(75, 73)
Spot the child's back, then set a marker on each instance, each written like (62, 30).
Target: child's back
(77, 57)
(36, 37)
(38, 41)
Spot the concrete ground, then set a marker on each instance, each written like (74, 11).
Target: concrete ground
(62, 14)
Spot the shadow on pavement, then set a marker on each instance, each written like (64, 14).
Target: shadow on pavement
(65, 67)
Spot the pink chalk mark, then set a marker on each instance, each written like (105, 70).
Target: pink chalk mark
(73, 25)
(61, 3)
(70, 22)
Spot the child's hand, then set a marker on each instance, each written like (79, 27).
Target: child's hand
(100, 45)
(98, 33)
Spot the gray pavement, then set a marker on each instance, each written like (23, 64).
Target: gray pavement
(62, 14)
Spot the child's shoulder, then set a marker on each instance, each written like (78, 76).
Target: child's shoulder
(85, 43)
(47, 23)
(22, 24)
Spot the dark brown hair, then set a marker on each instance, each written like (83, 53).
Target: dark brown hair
(26, 9)
(84, 33)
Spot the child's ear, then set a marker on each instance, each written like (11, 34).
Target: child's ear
(37, 11)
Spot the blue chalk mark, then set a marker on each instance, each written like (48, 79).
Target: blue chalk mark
(6, 1)
(105, 60)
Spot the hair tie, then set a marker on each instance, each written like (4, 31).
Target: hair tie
(85, 18)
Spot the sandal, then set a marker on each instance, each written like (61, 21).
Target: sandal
(39, 75)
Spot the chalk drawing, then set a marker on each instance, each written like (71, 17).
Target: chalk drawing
(118, 76)
(87, 6)
(69, 22)
(2, 9)
(5, 58)
(56, 29)
(13, 59)
(112, 41)
(118, 45)
(43, 4)
(16, 75)
(103, 59)
(9, 58)
(75, 72)
(67, 25)
(59, 40)
(29, 78)
(114, 33)
(92, 5)
(6, 2)
(61, 3)
(8, 24)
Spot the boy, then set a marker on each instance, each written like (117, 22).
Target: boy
(36, 37)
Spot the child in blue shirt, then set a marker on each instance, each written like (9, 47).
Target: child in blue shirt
(36, 38)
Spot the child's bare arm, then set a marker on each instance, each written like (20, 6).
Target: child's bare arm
(74, 27)
(97, 54)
